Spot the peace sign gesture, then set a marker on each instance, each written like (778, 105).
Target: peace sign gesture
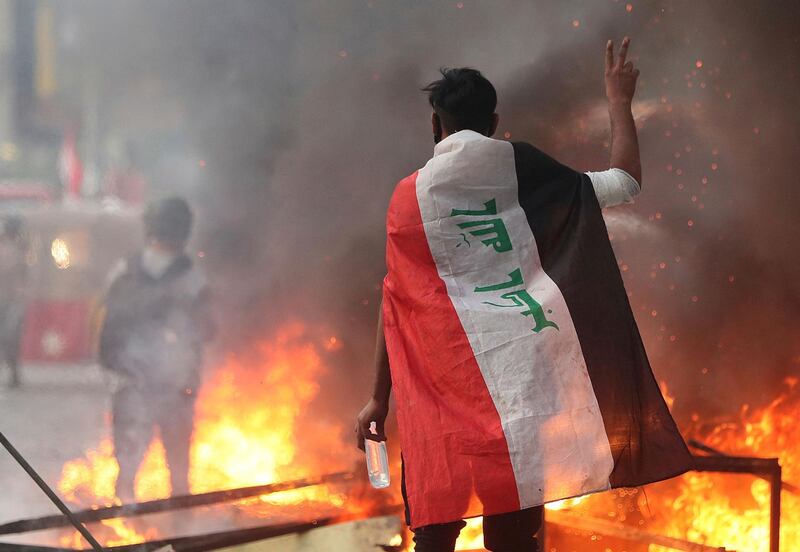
(620, 74)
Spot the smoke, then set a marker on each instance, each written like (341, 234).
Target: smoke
(288, 123)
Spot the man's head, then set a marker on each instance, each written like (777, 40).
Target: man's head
(168, 223)
(462, 99)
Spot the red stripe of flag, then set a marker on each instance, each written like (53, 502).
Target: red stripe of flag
(439, 391)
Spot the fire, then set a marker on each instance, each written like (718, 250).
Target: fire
(249, 427)
(566, 503)
(717, 510)
(125, 534)
(91, 479)
(250, 430)
(247, 420)
(471, 536)
(152, 481)
(733, 510)
(114, 532)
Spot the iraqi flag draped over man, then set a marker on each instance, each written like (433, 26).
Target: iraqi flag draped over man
(519, 371)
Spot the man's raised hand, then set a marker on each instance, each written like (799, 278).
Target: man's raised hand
(620, 74)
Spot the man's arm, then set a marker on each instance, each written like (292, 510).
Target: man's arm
(113, 324)
(613, 187)
(620, 78)
(377, 408)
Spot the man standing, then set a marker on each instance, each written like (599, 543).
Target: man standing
(13, 292)
(519, 373)
(157, 322)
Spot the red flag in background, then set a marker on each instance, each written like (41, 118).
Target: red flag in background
(70, 167)
(57, 331)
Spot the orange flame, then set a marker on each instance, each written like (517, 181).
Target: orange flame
(718, 510)
(246, 433)
(471, 536)
(250, 425)
(733, 510)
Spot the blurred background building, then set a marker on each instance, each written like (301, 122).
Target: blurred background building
(73, 181)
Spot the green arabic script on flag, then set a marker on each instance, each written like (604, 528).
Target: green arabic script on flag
(501, 242)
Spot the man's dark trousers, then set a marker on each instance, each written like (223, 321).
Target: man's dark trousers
(511, 532)
(135, 413)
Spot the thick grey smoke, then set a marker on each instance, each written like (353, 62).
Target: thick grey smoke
(291, 122)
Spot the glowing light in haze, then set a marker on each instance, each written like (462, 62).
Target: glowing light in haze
(59, 250)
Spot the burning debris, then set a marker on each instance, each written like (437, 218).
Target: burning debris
(249, 426)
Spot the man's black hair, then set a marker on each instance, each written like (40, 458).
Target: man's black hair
(169, 220)
(463, 99)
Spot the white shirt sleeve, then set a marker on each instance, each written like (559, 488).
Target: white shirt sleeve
(613, 187)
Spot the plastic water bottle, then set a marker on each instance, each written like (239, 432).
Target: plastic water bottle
(377, 461)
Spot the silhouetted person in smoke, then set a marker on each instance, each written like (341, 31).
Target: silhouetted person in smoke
(157, 322)
(497, 255)
(13, 292)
